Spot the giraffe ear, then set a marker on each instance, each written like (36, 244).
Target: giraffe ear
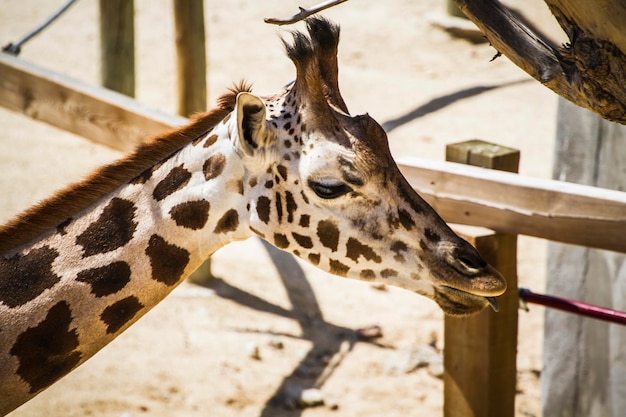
(251, 123)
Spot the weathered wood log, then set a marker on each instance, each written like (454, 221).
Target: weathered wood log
(589, 71)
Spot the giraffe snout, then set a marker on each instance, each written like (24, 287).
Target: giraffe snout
(471, 273)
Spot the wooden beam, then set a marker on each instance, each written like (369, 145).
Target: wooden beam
(98, 114)
(510, 203)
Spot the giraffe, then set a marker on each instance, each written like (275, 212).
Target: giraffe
(294, 168)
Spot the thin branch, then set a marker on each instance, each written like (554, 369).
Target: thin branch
(304, 13)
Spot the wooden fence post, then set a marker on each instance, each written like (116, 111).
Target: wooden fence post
(191, 69)
(480, 351)
(191, 56)
(117, 45)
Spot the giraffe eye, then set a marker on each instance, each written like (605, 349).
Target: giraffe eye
(329, 189)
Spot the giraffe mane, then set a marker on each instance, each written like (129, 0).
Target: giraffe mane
(56, 209)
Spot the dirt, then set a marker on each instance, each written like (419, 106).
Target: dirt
(247, 341)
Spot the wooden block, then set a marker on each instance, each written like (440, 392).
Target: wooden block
(483, 154)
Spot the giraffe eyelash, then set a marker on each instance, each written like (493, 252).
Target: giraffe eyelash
(329, 189)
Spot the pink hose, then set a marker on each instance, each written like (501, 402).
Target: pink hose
(573, 306)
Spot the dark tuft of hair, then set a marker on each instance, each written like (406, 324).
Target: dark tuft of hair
(323, 38)
(324, 34)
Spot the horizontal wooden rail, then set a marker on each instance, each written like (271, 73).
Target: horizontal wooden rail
(510, 203)
(93, 112)
(505, 202)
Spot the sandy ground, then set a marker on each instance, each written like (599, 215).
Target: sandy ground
(243, 343)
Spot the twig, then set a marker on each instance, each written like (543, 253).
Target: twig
(304, 13)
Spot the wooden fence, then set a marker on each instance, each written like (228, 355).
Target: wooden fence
(504, 202)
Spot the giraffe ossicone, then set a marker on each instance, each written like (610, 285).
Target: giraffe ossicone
(294, 168)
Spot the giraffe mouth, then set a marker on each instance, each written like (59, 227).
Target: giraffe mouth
(455, 302)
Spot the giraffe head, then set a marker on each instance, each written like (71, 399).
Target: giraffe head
(324, 186)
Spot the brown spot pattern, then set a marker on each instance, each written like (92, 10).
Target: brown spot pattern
(355, 249)
(282, 170)
(328, 234)
(198, 140)
(210, 141)
(146, 175)
(367, 274)
(405, 219)
(279, 207)
(214, 166)
(191, 214)
(240, 187)
(304, 220)
(388, 273)
(314, 258)
(24, 277)
(61, 228)
(431, 235)
(107, 279)
(113, 229)
(176, 179)
(410, 196)
(121, 312)
(398, 247)
(338, 268)
(303, 241)
(291, 206)
(47, 351)
(263, 207)
(168, 261)
(228, 223)
(281, 241)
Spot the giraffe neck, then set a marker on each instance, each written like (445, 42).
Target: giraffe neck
(77, 287)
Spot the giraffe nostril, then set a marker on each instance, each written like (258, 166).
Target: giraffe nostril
(469, 257)
(470, 263)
